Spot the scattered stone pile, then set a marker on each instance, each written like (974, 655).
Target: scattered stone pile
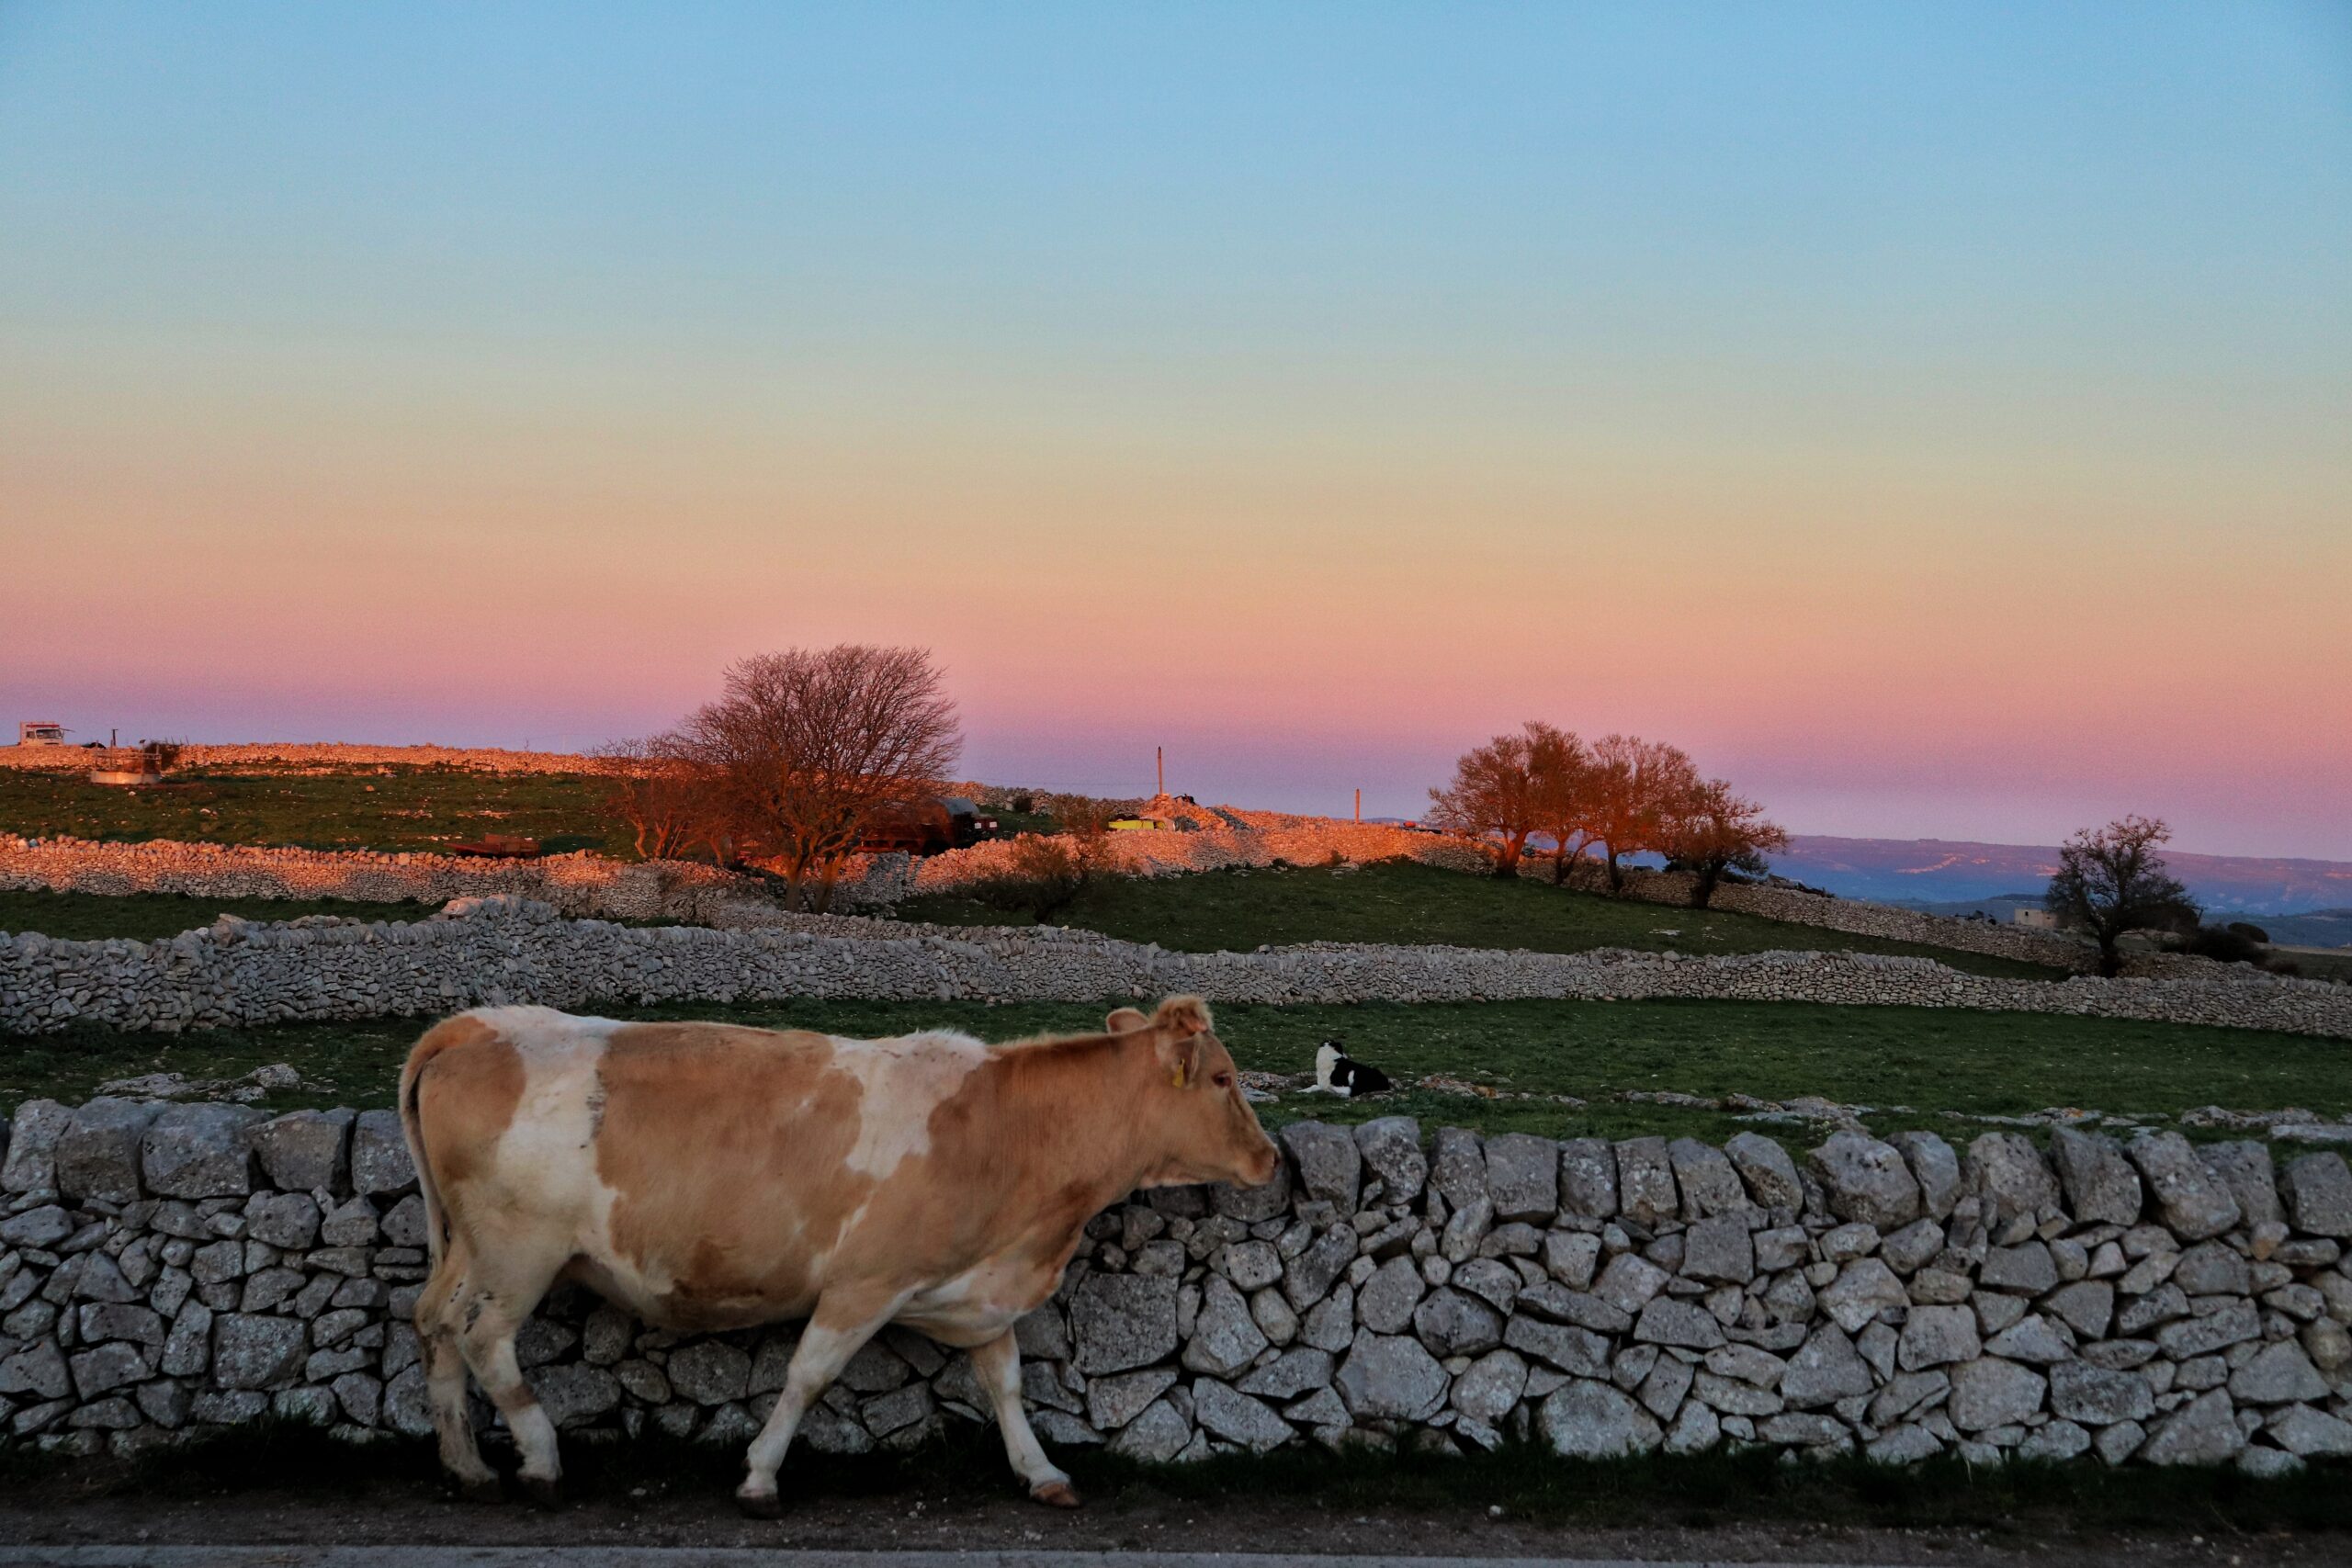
(168, 1269)
(236, 973)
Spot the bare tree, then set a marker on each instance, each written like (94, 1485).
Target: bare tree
(1711, 831)
(805, 748)
(654, 788)
(2111, 880)
(1494, 798)
(1636, 784)
(1566, 783)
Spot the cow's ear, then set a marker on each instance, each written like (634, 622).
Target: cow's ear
(1122, 1020)
(1183, 1015)
(1180, 1055)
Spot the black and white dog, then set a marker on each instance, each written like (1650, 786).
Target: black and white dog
(1338, 1073)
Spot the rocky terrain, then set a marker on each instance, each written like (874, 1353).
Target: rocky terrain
(512, 950)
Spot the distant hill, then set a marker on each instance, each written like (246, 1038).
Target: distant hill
(1943, 872)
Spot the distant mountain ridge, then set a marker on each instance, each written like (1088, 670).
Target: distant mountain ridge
(1942, 871)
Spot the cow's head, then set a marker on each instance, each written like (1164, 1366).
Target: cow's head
(1193, 1101)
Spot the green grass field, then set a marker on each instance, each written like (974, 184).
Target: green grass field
(395, 807)
(1928, 1059)
(1402, 901)
(144, 917)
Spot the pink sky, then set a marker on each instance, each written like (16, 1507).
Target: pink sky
(1935, 424)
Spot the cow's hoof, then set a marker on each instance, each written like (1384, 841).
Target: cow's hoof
(759, 1505)
(541, 1490)
(480, 1488)
(1055, 1494)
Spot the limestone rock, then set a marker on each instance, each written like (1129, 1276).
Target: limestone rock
(1708, 1184)
(1457, 1166)
(1390, 1377)
(1989, 1392)
(1384, 1305)
(1491, 1386)
(1523, 1177)
(1825, 1369)
(303, 1150)
(2318, 1189)
(252, 1352)
(200, 1151)
(2099, 1183)
(30, 1164)
(1937, 1336)
(2009, 1176)
(379, 1162)
(1719, 1249)
(2191, 1202)
(1236, 1417)
(1934, 1166)
(1225, 1337)
(1588, 1419)
(1646, 1192)
(2278, 1374)
(1124, 1320)
(97, 1152)
(1865, 1181)
(1589, 1178)
(2245, 1168)
(1330, 1167)
(1454, 1323)
(2203, 1432)
(1391, 1147)
(1156, 1437)
(1764, 1166)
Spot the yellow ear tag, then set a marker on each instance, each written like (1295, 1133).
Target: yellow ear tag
(1177, 1078)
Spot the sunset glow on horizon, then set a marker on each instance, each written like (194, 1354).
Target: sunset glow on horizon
(1937, 420)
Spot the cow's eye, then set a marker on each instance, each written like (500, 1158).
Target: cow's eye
(1225, 1080)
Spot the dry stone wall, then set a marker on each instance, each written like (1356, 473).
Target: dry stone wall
(578, 883)
(235, 973)
(171, 1270)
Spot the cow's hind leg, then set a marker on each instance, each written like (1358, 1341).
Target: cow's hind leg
(445, 1378)
(840, 1325)
(492, 1305)
(998, 1362)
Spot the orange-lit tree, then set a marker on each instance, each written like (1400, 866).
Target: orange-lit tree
(804, 749)
(1711, 831)
(654, 790)
(1636, 786)
(1566, 788)
(1495, 798)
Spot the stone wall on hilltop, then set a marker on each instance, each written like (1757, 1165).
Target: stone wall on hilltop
(236, 973)
(171, 1270)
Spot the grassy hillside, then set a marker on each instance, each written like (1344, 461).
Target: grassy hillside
(1404, 902)
(1931, 1060)
(392, 808)
(144, 917)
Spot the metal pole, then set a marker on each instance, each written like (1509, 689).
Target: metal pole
(1359, 803)
(1159, 767)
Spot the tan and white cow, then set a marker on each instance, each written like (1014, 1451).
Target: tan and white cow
(704, 1175)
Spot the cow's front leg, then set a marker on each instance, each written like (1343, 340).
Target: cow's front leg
(998, 1364)
(838, 1328)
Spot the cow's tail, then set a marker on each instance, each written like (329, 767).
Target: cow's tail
(439, 1038)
